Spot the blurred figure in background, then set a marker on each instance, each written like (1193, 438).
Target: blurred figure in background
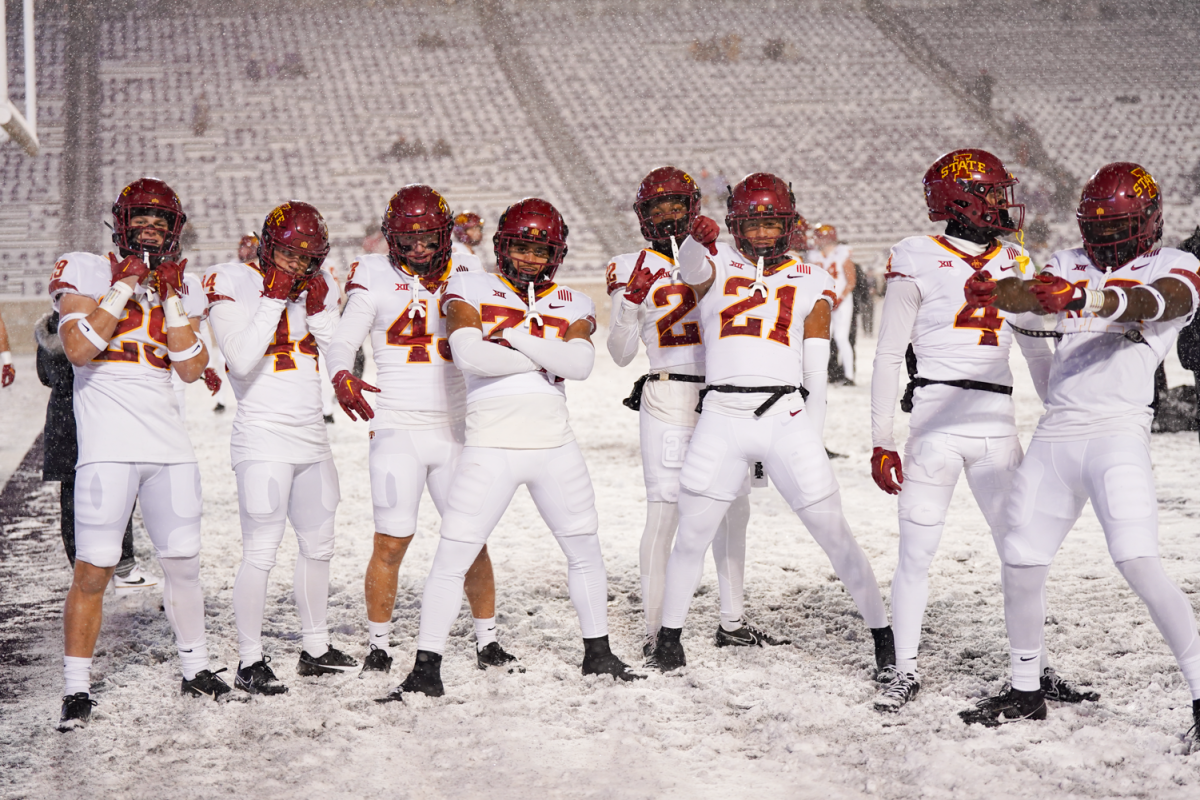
(834, 258)
(8, 373)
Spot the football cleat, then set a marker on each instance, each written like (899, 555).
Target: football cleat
(333, 660)
(1010, 705)
(598, 659)
(377, 660)
(1192, 732)
(493, 655)
(136, 579)
(206, 684)
(426, 675)
(76, 711)
(394, 696)
(668, 650)
(258, 678)
(1054, 687)
(885, 654)
(747, 636)
(900, 690)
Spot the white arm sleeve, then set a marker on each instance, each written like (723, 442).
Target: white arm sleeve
(694, 266)
(900, 306)
(243, 339)
(622, 329)
(322, 327)
(1036, 350)
(486, 359)
(572, 360)
(816, 380)
(351, 330)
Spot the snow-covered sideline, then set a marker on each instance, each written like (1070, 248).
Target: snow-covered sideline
(793, 721)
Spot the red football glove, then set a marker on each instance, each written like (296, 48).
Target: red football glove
(349, 391)
(7, 376)
(886, 470)
(277, 284)
(1055, 294)
(129, 267)
(318, 290)
(641, 281)
(212, 380)
(170, 274)
(705, 231)
(980, 290)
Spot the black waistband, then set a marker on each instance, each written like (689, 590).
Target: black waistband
(776, 392)
(914, 383)
(634, 401)
(1133, 334)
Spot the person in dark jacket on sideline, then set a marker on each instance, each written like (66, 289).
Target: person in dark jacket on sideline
(60, 449)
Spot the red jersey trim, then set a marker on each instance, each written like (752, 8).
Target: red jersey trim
(216, 297)
(61, 286)
(1185, 274)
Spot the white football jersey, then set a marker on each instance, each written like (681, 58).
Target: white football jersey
(502, 306)
(837, 264)
(278, 403)
(416, 372)
(125, 406)
(954, 342)
(669, 317)
(1102, 382)
(755, 338)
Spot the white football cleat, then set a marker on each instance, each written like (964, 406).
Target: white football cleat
(135, 580)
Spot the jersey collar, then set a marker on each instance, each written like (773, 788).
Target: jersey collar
(652, 252)
(976, 262)
(523, 295)
(769, 271)
(431, 284)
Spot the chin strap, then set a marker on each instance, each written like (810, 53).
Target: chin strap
(675, 277)
(531, 315)
(758, 285)
(415, 309)
(1023, 260)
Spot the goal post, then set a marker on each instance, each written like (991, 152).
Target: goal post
(21, 128)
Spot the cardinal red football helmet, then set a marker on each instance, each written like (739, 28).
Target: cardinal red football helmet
(1120, 214)
(762, 196)
(534, 221)
(299, 229)
(463, 221)
(974, 188)
(416, 212)
(147, 197)
(825, 235)
(661, 183)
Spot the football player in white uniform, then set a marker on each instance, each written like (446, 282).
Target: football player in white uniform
(834, 258)
(651, 302)
(960, 387)
(417, 429)
(125, 325)
(1120, 300)
(270, 321)
(516, 336)
(468, 233)
(764, 319)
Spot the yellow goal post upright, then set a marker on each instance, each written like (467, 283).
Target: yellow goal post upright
(21, 128)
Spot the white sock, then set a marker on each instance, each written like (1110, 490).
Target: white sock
(907, 665)
(380, 634)
(192, 659)
(311, 584)
(485, 631)
(1191, 674)
(1026, 673)
(77, 673)
(731, 625)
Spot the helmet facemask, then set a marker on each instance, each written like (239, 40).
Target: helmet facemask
(128, 237)
(423, 253)
(1114, 241)
(990, 208)
(667, 216)
(512, 255)
(773, 252)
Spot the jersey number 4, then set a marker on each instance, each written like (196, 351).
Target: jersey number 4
(409, 331)
(667, 337)
(785, 299)
(986, 320)
(283, 347)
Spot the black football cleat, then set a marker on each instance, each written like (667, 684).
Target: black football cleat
(900, 690)
(1054, 687)
(1011, 705)
(426, 675)
(493, 655)
(598, 659)
(206, 684)
(258, 678)
(331, 661)
(377, 660)
(885, 654)
(394, 696)
(747, 636)
(668, 650)
(1193, 732)
(76, 711)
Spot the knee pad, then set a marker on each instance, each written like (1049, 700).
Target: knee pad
(471, 487)
(260, 491)
(918, 509)
(317, 545)
(262, 558)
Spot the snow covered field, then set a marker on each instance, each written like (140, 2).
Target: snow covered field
(794, 721)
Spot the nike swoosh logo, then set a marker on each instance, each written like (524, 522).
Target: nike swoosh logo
(794, 277)
(794, 413)
(134, 583)
(1031, 658)
(1140, 266)
(554, 306)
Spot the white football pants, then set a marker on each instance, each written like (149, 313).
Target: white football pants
(933, 463)
(269, 494)
(839, 330)
(1049, 491)
(483, 486)
(170, 497)
(791, 450)
(663, 448)
(402, 462)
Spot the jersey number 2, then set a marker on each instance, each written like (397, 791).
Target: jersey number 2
(667, 337)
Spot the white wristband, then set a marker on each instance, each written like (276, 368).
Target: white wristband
(91, 335)
(116, 298)
(188, 353)
(1158, 298)
(173, 311)
(1122, 302)
(6, 358)
(1093, 301)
